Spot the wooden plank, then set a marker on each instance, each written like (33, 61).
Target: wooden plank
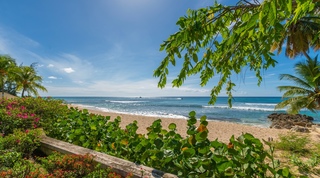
(120, 166)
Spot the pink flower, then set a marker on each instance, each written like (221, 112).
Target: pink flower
(9, 113)
(34, 125)
(23, 107)
(18, 141)
(27, 131)
(36, 120)
(9, 107)
(25, 116)
(32, 115)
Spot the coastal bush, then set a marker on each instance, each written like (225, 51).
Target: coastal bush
(21, 142)
(29, 113)
(194, 156)
(13, 115)
(17, 159)
(308, 166)
(293, 142)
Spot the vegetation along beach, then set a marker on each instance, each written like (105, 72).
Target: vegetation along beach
(192, 89)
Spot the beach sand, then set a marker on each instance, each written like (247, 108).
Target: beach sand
(217, 129)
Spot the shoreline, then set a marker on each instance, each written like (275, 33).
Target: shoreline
(221, 130)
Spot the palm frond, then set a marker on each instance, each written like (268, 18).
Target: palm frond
(296, 80)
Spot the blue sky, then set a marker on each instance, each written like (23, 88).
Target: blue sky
(109, 47)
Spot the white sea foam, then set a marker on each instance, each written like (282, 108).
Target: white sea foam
(244, 108)
(260, 104)
(139, 113)
(83, 106)
(127, 102)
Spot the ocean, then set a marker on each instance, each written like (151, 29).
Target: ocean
(245, 110)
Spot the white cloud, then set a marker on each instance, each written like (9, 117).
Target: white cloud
(50, 65)
(53, 77)
(68, 70)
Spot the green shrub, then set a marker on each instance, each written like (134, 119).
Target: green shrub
(194, 156)
(22, 142)
(8, 158)
(13, 115)
(29, 112)
(293, 142)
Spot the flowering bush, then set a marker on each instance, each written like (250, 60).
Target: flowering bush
(29, 113)
(16, 147)
(14, 116)
(22, 142)
(80, 165)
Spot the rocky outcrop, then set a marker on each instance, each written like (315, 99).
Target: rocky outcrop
(297, 122)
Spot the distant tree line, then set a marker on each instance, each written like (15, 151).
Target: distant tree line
(15, 79)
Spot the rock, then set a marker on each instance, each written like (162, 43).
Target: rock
(288, 121)
(300, 129)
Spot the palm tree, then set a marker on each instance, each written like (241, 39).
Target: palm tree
(7, 68)
(306, 93)
(28, 80)
(300, 36)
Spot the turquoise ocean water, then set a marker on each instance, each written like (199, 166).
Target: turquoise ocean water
(245, 110)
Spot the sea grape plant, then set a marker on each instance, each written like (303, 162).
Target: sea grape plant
(193, 156)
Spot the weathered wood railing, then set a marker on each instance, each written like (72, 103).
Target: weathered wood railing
(120, 166)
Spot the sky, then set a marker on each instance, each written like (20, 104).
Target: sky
(110, 47)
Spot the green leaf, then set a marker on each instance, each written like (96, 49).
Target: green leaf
(289, 5)
(93, 126)
(82, 138)
(203, 118)
(189, 152)
(78, 132)
(192, 114)
(204, 150)
(224, 167)
(152, 135)
(195, 57)
(172, 126)
(79, 121)
(192, 121)
(202, 136)
(158, 142)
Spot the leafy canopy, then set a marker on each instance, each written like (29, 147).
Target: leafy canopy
(306, 91)
(28, 80)
(222, 40)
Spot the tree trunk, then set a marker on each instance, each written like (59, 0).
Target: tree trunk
(306, 55)
(22, 94)
(2, 89)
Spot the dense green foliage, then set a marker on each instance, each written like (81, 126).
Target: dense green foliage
(15, 78)
(161, 148)
(7, 69)
(28, 81)
(194, 156)
(306, 92)
(16, 150)
(300, 154)
(222, 40)
(294, 143)
(29, 113)
(20, 120)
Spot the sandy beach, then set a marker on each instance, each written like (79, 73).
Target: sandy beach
(217, 129)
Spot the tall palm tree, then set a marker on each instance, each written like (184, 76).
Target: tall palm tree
(7, 69)
(28, 81)
(306, 93)
(300, 36)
